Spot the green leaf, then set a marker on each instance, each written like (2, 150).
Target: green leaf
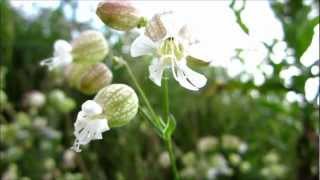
(170, 127)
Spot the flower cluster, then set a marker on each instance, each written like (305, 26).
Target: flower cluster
(114, 104)
(168, 41)
(213, 159)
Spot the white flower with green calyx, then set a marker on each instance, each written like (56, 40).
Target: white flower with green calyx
(89, 124)
(61, 57)
(113, 106)
(170, 43)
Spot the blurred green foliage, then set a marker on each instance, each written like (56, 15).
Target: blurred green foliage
(35, 136)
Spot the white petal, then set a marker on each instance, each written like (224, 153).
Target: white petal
(155, 71)
(87, 126)
(91, 107)
(142, 46)
(186, 36)
(171, 23)
(61, 47)
(62, 55)
(188, 78)
(194, 77)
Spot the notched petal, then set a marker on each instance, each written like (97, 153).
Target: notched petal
(142, 46)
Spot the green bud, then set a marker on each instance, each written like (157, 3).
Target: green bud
(207, 144)
(235, 159)
(120, 104)
(89, 79)
(90, 47)
(3, 98)
(189, 159)
(119, 15)
(60, 101)
(271, 158)
(245, 166)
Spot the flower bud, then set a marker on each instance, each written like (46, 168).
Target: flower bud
(207, 144)
(3, 97)
(88, 79)
(60, 101)
(189, 159)
(120, 104)
(34, 99)
(90, 47)
(234, 159)
(164, 159)
(245, 166)
(230, 142)
(119, 14)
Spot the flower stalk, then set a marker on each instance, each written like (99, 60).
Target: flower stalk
(154, 118)
(166, 113)
(160, 125)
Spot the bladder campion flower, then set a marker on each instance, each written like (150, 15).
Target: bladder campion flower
(119, 14)
(113, 106)
(170, 43)
(88, 79)
(88, 48)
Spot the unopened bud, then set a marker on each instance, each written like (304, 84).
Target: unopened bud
(120, 104)
(34, 99)
(119, 14)
(90, 47)
(89, 79)
(234, 159)
(207, 144)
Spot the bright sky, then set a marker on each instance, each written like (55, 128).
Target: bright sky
(214, 24)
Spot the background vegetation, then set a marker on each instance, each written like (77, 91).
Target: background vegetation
(280, 136)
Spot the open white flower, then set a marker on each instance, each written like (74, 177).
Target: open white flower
(170, 43)
(89, 124)
(61, 57)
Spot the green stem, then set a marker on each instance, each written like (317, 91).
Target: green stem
(166, 113)
(172, 158)
(158, 121)
(165, 96)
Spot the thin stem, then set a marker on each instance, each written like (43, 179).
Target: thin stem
(165, 96)
(172, 158)
(158, 121)
(166, 113)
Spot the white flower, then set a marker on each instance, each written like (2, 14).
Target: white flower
(243, 147)
(89, 124)
(61, 56)
(170, 43)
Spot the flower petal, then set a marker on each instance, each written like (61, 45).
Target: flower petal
(194, 77)
(62, 47)
(90, 107)
(88, 126)
(155, 71)
(171, 23)
(186, 36)
(188, 78)
(142, 46)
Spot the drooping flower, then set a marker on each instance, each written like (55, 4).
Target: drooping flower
(88, 48)
(89, 126)
(61, 57)
(113, 106)
(170, 43)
